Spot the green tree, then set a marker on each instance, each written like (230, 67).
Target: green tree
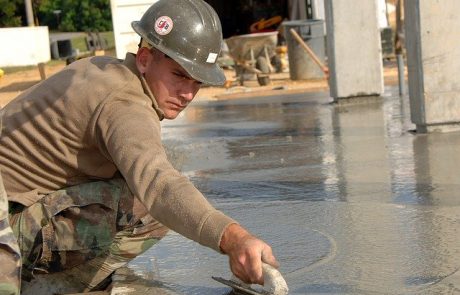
(11, 12)
(76, 15)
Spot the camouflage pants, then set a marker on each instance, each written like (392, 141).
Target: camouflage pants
(10, 259)
(88, 230)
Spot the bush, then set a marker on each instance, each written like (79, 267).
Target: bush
(73, 16)
(76, 15)
(11, 12)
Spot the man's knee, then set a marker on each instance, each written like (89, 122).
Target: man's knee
(78, 222)
(151, 227)
(134, 241)
(87, 220)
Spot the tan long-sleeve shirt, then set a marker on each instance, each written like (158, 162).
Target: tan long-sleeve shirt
(85, 123)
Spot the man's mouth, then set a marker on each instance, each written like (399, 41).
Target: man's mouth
(177, 107)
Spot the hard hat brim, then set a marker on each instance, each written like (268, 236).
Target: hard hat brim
(211, 74)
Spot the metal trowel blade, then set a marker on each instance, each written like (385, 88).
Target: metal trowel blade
(240, 289)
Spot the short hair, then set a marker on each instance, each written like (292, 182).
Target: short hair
(143, 43)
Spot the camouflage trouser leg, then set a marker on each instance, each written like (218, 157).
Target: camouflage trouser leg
(88, 231)
(10, 259)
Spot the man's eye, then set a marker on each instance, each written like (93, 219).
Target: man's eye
(179, 75)
(183, 76)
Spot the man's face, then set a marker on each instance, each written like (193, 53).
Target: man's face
(171, 85)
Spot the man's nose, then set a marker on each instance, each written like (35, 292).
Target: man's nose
(187, 95)
(188, 90)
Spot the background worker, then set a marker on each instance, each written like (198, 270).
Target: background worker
(89, 184)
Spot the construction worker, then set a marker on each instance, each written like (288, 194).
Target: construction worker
(88, 181)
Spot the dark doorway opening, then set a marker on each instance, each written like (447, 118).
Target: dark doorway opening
(237, 16)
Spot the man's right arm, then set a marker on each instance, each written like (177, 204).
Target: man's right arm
(128, 133)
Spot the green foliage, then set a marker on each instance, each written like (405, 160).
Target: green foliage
(11, 12)
(75, 15)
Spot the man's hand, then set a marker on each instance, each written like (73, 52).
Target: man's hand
(246, 253)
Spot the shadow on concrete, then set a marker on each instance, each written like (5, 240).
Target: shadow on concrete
(18, 86)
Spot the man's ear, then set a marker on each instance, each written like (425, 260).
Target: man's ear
(143, 59)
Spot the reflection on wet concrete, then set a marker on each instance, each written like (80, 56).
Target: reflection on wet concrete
(351, 200)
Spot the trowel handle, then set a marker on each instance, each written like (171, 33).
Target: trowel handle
(274, 282)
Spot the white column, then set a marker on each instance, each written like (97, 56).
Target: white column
(353, 48)
(433, 51)
(318, 9)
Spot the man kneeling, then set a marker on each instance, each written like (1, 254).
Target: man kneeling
(88, 181)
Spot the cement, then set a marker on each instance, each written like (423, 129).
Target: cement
(350, 198)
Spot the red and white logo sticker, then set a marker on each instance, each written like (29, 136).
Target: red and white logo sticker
(163, 25)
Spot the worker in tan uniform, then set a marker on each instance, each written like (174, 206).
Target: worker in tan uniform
(88, 181)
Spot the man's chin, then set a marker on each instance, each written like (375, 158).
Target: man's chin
(171, 115)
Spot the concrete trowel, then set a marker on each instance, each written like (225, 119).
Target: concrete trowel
(274, 283)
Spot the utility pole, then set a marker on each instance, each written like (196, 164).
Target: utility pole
(29, 13)
(399, 40)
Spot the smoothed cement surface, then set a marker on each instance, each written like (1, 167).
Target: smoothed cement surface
(351, 201)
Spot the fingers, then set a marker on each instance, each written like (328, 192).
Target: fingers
(246, 254)
(269, 258)
(254, 268)
(247, 267)
(247, 264)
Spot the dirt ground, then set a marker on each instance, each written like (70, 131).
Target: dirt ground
(12, 84)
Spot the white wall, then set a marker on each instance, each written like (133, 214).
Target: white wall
(123, 13)
(23, 46)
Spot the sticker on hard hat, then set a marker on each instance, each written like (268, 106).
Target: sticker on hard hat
(212, 58)
(163, 25)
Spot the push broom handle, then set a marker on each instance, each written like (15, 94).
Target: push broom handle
(309, 51)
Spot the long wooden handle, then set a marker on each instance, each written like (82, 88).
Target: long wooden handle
(309, 51)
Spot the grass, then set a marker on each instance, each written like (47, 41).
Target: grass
(80, 42)
(10, 70)
(77, 43)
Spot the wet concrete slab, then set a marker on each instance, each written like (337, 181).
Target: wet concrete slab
(351, 200)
